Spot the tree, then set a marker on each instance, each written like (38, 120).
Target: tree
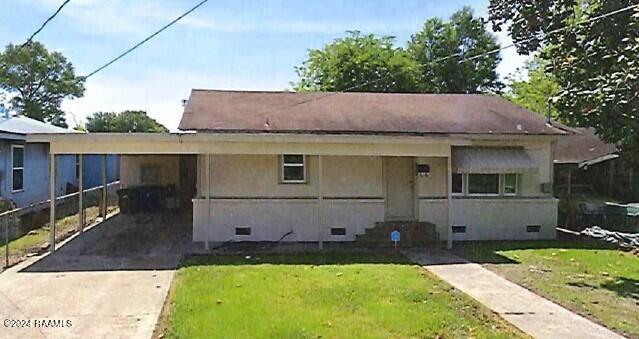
(536, 92)
(594, 61)
(358, 63)
(127, 121)
(38, 81)
(464, 37)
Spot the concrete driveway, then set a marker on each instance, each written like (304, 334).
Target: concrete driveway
(110, 282)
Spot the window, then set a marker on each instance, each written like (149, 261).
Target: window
(293, 168)
(458, 183)
(483, 184)
(17, 167)
(510, 184)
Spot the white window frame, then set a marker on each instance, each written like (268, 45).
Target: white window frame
(463, 192)
(284, 165)
(17, 168)
(483, 194)
(503, 185)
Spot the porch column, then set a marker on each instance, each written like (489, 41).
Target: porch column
(103, 205)
(80, 194)
(52, 164)
(320, 198)
(207, 183)
(449, 232)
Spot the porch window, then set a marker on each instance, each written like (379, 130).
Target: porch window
(293, 168)
(510, 184)
(483, 184)
(458, 183)
(17, 167)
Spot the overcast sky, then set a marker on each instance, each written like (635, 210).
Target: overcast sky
(242, 45)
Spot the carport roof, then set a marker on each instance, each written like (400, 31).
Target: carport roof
(359, 113)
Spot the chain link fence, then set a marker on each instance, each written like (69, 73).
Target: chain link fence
(26, 231)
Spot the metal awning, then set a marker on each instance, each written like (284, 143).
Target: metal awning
(491, 160)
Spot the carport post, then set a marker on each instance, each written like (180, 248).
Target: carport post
(320, 197)
(52, 174)
(80, 194)
(103, 205)
(207, 183)
(449, 228)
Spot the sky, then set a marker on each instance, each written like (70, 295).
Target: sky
(225, 44)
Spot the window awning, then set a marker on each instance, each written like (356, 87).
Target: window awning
(491, 160)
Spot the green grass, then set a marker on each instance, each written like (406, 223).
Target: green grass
(588, 278)
(327, 295)
(30, 242)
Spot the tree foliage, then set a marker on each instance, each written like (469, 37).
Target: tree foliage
(464, 37)
(595, 62)
(535, 92)
(348, 63)
(37, 81)
(127, 121)
(369, 63)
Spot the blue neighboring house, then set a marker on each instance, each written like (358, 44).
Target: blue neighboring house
(24, 167)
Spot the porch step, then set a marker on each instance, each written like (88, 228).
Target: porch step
(413, 233)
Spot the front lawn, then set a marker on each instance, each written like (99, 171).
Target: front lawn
(586, 277)
(321, 295)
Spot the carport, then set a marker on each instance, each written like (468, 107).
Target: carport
(164, 160)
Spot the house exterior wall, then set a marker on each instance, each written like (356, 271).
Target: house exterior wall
(92, 169)
(36, 173)
(246, 191)
(131, 167)
(505, 219)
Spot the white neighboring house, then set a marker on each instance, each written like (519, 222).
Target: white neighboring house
(327, 166)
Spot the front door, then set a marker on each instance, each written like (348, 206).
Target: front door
(400, 191)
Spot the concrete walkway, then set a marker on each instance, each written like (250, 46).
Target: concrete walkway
(529, 312)
(95, 286)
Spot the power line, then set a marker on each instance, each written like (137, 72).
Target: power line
(146, 39)
(45, 23)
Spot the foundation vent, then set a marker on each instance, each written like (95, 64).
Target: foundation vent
(242, 230)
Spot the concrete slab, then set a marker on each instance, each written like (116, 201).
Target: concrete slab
(93, 286)
(529, 312)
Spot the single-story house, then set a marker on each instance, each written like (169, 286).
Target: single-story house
(584, 159)
(319, 167)
(24, 165)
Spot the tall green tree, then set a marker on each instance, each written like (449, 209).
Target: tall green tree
(448, 52)
(594, 61)
(535, 92)
(358, 63)
(37, 81)
(124, 122)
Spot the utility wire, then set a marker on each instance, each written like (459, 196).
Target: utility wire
(45, 23)
(496, 50)
(146, 39)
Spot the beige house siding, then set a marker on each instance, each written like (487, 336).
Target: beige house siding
(246, 191)
(504, 219)
(131, 166)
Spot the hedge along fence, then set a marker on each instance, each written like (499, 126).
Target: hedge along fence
(26, 230)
